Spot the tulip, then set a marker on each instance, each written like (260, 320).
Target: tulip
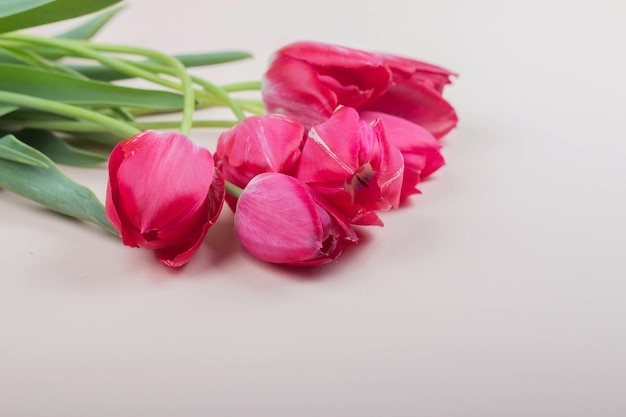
(163, 194)
(419, 148)
(308, 80)
(416, 94)
(258, 144)
(281, 220)
(352, 164)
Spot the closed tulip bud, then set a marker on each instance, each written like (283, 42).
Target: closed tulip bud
(281, 220)
(256, 145)
(163, 194)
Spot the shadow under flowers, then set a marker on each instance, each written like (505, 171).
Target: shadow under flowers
(350, 255)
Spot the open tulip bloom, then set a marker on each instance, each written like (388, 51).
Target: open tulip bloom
(338, 136)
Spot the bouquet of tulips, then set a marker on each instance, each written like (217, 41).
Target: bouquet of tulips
(337, 135)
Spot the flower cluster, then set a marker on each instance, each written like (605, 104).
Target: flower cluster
(347, 134)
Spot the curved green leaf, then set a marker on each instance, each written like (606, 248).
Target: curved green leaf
(88, 29)
(47, 185)
(6, 109)
(52, 11)
(103, 73)
(59, 150)
(11, 7)
(68, 89)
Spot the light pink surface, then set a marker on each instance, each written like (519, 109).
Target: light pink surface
(499, 291)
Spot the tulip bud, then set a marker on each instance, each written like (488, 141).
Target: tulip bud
(163, 194)
(258, 144)
(281, 220)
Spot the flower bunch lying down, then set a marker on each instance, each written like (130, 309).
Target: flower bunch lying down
(340, 142)
(339, 135)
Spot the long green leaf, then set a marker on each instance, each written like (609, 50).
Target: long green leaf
(59, 150)
(52, 11)
(68, 89)
(6, 109)
(88, 29)
(9, 57)
(47, 185)
(11, 7)
(103, 73)
(9, 154)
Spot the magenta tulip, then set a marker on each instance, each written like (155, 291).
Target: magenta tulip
(419, 148)
(163, 194)
(258, 144)
(308, 80)
(352, 164)
(281, 220)
(416, 94)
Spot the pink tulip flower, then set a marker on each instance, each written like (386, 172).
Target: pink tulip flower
(419, 148)
(308, 80)
(416, 94)
(352, 164)
(281, 220)
(258, 144)
(163, 194)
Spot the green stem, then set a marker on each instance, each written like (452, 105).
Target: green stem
(174, 67)
(232, 189)
(214, 90)
(146, 71)
(91, 50)
(70, 126)
(120, 128)
(243, 86)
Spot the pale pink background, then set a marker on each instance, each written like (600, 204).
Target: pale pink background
(497, 292)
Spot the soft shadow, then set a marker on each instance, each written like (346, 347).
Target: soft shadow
(221, 240)
(351, 253)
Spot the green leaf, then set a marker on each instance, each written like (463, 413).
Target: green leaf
(103, 73)
(90, 28)
(6, 109)
(9, 154)
(11, 7)
(40, 83)
(9, 57)
(59, 150)
(48, 12)
(47, 185)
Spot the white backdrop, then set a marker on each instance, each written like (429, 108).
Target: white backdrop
(497, 292)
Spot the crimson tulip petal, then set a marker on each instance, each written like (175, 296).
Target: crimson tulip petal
(419, 148)
(292, 87)
(420, 104)
(353, 166)
(407, 68)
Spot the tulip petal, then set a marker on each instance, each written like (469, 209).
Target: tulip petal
(292, 87)
(274, 228)
(420, 104)
(331, 150)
